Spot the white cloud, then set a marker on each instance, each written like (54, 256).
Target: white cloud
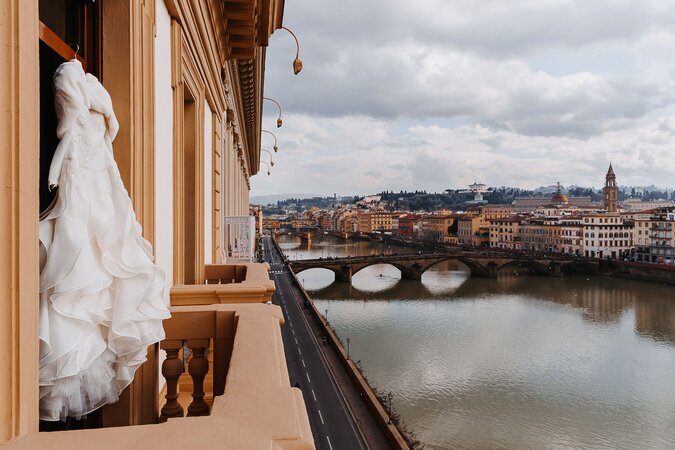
(436, 94)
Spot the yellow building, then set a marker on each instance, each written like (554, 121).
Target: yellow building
(505, 233)
(439, 228)
(364, 222)
(490, 212)
(473, 230)
(185, 77)
(375, 221)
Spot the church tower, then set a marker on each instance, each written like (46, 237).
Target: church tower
(611, 191)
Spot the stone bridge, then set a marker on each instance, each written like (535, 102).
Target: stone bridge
(310, 235)
(481, 264)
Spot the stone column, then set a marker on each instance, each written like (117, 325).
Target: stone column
(492, 269)
(343, 274)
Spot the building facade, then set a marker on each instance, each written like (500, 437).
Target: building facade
(473, 230)
(607, 235)
(505, 233)
(662, 236)
(185, 78)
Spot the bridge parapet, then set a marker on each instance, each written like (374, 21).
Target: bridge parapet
(413, 265)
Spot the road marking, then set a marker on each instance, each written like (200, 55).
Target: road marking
(313, 395)
(299, 351)
(296, 341)
(303, 363)
(308, 378)
(293, 331)
(321, 417)
(329, 444)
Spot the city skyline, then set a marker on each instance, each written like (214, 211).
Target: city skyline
(525, 96)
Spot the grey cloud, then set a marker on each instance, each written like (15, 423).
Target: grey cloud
(439, 92)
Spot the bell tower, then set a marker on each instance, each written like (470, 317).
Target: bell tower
(611, 191)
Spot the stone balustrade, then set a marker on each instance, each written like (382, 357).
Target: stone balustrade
(227, 283)
(254, 405)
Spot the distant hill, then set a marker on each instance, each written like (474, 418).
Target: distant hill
(273, 199)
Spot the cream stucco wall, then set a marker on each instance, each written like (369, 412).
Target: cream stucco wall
(208, 184)
(163, 146)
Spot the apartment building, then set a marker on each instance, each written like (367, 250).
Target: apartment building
(491, 212)
(607, 235)
(406, 224)
(662, 236)
(438, 228)
(375, 221)
(505, 233)
(473, 230)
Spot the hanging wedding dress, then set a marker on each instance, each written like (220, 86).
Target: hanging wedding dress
(101, 296)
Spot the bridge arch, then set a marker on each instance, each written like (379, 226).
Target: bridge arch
(533, 266)
(359, 267)
(475, 267)
(303, 269)
(580, 266)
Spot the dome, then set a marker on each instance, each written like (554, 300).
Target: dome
(559, 198)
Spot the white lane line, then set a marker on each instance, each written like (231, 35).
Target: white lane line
(296, 341)
(321, 417)
(303, 363)
(299, 351)
(308, 378)
(329, 444)
(313, 395)
(293, 331)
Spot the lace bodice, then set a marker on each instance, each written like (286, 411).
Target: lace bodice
(87, 123)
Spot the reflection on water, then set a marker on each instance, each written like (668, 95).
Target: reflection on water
(516, 362)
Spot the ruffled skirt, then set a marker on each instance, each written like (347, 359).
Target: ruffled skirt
(101, 296)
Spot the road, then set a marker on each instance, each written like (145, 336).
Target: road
(332, 424)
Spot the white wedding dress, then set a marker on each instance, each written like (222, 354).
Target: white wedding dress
(101, 296)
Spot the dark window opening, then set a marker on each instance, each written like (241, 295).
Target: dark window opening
(65, 26)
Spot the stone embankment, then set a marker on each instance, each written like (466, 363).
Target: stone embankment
(383, 419)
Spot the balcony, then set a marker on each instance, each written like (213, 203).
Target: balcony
(227, 384)
(240, 236)
(227, 283)
(254, 405)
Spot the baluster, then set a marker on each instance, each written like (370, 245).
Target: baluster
(198, 367)
(172, 367)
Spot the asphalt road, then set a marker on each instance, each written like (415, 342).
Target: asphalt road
(332, 425)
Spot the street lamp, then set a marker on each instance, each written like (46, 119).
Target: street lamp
(279, 122)
(269, 153)
(275, 148)
(268, 167)
(389, 397)
(326, 315)
(347, 348)
(297, 63)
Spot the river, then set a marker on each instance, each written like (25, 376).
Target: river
(514, 362)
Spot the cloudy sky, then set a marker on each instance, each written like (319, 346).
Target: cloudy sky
(436, 94)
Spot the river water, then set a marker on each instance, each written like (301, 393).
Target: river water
(515, 362)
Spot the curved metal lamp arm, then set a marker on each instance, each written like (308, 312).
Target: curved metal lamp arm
(269, 153)
(276, 149)
(279, 122)
(297, 63)
(268, 167)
